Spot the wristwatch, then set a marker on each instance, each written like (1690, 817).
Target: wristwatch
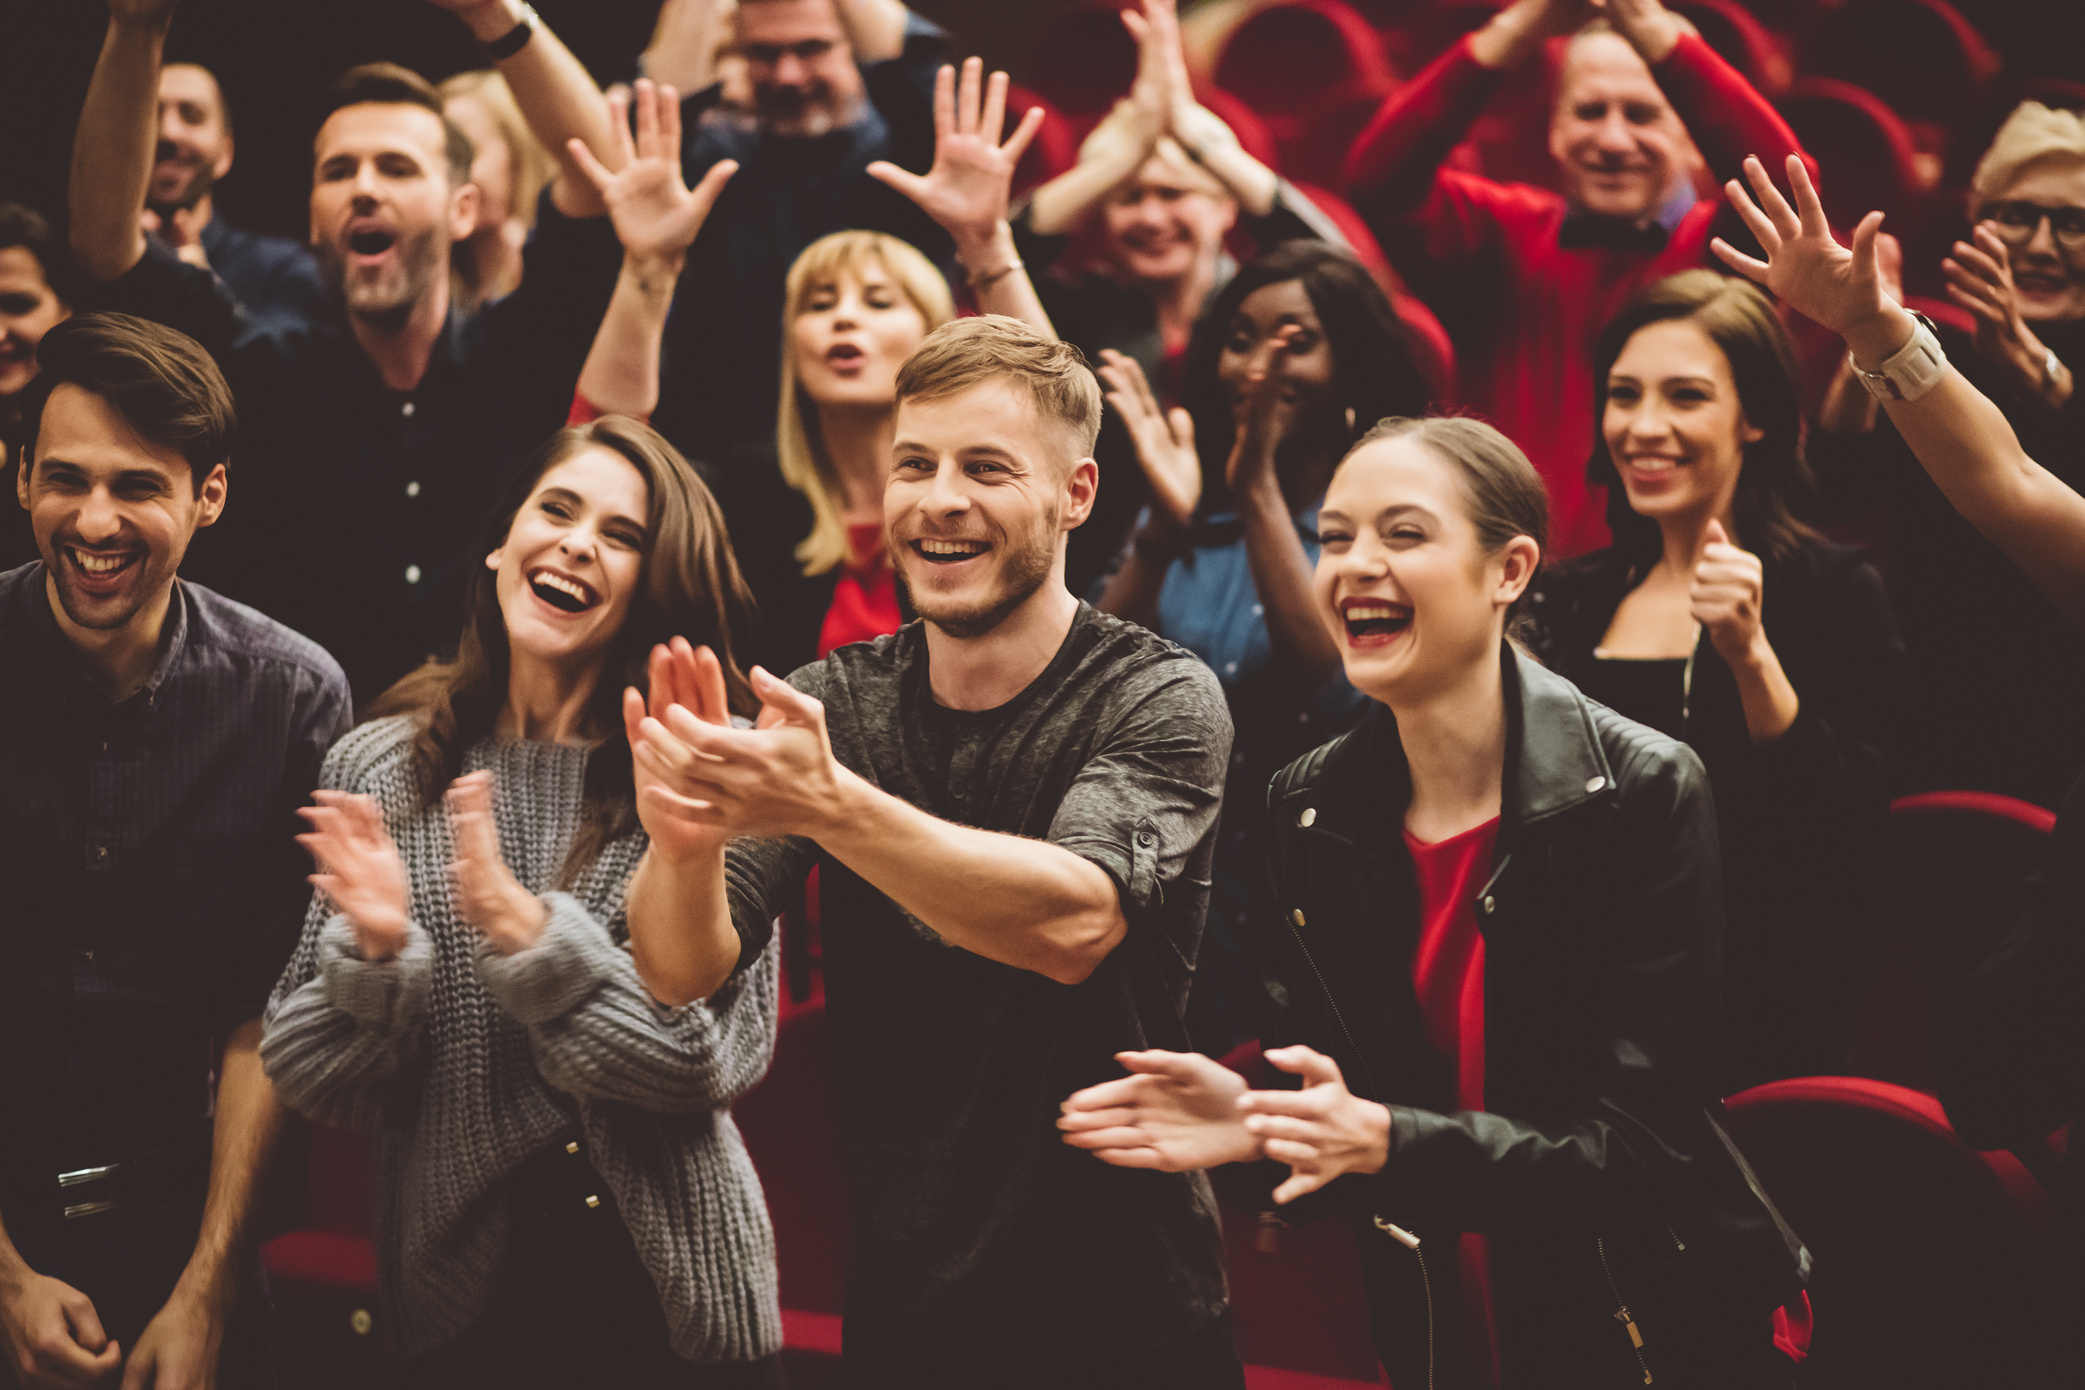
(515, 39)
(1909, 372)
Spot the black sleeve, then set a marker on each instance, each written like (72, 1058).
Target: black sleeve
(2012, 1066)
(540, 334)
(168, 290)
(1847, 673)
(902, 90)
(1294, 217)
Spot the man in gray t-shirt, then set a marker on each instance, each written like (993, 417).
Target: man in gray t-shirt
(1012, 804)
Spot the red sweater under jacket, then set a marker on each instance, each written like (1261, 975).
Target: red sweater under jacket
(1522, 309)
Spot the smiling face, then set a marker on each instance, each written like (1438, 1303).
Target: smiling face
(805, 82)
(28, 310)
(1403, 582)
(383, 214)
(1674, 425)
(1166, 221)
(981, 492)
(1618, 142)
(853, 333)
(112, 513)
(195, 142)
(573, 559)
(2048, 270)
(1308, 379)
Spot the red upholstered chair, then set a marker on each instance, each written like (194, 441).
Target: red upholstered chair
(1080, 58)
(1920, 56)
(1742, 41)
(1864, 151)
(1950, 891)
(1056, 144)
(1315, 71)
(1933, 1262)
(323, 1275)
(787, 1123)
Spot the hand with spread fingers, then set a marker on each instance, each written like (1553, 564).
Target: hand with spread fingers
(1839, 287)
(1175, 1111)
(1165, 439)
(1980, 279)
(1727, 598)
(656, 215)
(1321, 1131)
(971, 182)
(488, 896)
(359, 869)
(689, 682)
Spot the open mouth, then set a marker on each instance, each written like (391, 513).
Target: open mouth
(949, 552)
(1374, 620)
(562, 592)
(100, 567)
(845, 355)
(1651, 468)
(370, 241)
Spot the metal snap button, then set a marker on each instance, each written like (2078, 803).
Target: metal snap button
(1595, 784)
(1297, 917)
(1490, 904)
(1308, 818)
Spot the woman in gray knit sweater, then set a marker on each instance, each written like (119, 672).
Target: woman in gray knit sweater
(561, 1197)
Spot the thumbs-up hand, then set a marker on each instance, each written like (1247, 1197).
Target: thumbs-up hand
(1727, 598)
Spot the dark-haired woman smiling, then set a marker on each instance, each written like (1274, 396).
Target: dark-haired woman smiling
(561, 1197)
(1720, 619)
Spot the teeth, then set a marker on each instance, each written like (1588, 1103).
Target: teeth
(952, 547)
(99, 564)
(1359, 614)
(559, 583)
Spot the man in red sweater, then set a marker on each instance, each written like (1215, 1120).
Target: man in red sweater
(1525, 278)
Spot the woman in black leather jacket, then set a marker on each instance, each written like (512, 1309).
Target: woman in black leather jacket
(1502, 942)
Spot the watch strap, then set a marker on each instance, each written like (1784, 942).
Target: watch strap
(515, 39)
(1909, 372)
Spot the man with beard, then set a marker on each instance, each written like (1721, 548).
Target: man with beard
(1524, 278)
(156, 741)
(374, 440)
(276, 280)
(1012, 806)
(837, 86)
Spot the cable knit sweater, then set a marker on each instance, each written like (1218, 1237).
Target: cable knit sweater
(462, 1064)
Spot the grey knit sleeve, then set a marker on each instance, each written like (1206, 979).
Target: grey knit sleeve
(597, 1033)
(333, 1041)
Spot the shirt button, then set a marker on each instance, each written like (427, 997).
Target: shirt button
(1490, 904)
(1230, 668)
(1145, 837)
(412, 489)
(87, 954)
(412, 574)
(101, 854)
(1258, 610)
(406, 410)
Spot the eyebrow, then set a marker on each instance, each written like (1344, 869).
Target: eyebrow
(1399, 509)
(1664, 381)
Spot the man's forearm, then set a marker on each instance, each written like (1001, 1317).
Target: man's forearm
(249, 1120)
(876, 28)
(557, 98)
(1025, 903)
(681, 937)
(112, 148)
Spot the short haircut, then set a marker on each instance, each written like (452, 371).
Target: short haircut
(2033, 132)
(388, 84)
(968, 352)
(27, 228)
(224, 103)
(161, 382)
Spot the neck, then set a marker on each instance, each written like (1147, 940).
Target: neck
(495, 254)
(858, 441)
(400, 348)
(119, 658)
(1455, 743)
(986, 671)
(1180, 300)
(546, 702)
(205, 209)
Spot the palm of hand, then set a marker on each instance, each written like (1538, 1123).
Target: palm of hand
(652, 209)
(968, 183)
(1193, 1124)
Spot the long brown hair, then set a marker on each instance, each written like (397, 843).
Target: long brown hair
(689, 587)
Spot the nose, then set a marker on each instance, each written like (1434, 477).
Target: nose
(2042, 244)
(945, 496)
(1647, 422)
(99, 517)
(1615, 135)
(790, 71)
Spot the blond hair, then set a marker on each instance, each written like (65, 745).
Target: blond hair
(799, 443)
(531, 166)
(2033, 132)
(968, 352)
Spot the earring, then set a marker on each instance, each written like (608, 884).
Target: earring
(1350, 419)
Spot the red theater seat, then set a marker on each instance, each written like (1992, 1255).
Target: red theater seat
(1864, 150)
(1082, 59)
(1950, 892)
(1742, 41)
(1055, 147)
(322, 1276)
(1933, 1262)
(1315, 72)
(1920, 56)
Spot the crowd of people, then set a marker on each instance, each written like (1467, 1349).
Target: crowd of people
(661, 551)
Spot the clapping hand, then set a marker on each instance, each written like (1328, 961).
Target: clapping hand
(656, 215)
(488, 896)
(359, 869)
(1321, 1131)
(1727, 597)
(1175, 1111)
(1980, 279)
(1165, 439)
(970, 184)
(1270, 413)
(688, 684)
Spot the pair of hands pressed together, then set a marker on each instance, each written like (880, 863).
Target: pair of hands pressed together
(1178, 1111)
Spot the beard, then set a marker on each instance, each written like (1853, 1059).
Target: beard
(1025, 567)
(803, 113)
(200, 180)
(388, 300)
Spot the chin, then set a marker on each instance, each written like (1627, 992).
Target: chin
(1164, 267)
(1624, 205)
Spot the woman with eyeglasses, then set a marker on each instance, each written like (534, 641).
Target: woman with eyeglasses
(1998, 676)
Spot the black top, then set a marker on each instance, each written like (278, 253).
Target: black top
(721, 373)
(356, 512)
(974, 1230)
(276, 280)
(1997, 674)
(153, 887)
(1801, 819)
(1650, 692)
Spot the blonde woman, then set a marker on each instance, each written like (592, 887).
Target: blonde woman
(510, 170)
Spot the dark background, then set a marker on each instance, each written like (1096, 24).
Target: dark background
(275, 58)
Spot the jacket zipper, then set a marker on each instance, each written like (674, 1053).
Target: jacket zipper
(1411, 1243)
(1621, 1309)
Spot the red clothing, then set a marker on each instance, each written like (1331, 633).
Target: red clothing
(1448, 977)
(1522, 309)
(865, 598)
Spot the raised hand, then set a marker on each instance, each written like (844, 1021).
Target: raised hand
(1839, 287)
(1321, 1131)
(1980, 279)
(1270, 413)
(690, 682)
(359, 869)
(1727, 597)
(488, 896)
(141, 11)
(1161, 86)
(1165, 439)
(656, 215)
(1174, 1112)
(968, 188)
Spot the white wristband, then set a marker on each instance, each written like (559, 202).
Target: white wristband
(1911, 371)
